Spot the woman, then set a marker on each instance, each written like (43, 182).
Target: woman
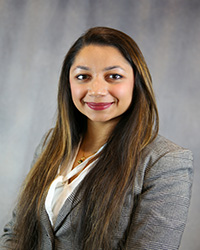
(103, 178)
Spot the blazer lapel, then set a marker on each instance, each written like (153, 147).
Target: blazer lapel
(71, 202)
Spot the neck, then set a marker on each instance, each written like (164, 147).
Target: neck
(96, 135)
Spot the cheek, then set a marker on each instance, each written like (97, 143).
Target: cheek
(124, 92)
(76, 92)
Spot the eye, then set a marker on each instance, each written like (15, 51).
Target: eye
(82, 77)
(114, 76)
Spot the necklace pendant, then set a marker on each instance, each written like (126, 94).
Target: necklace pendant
(81, 160)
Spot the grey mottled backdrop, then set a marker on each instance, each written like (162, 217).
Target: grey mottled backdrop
(34, 37)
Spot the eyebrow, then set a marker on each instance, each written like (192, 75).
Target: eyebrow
(82, 67)
(113, 67)
(105, 69)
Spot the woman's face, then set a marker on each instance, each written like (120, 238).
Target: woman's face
(101, 82)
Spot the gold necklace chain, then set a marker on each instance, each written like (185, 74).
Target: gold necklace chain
(83, 158)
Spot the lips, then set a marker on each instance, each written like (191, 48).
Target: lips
(99, 105)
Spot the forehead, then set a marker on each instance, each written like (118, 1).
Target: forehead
(103, 53)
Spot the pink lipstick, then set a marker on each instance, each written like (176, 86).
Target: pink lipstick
(99, 105)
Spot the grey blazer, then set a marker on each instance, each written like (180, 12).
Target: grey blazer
(156, 208)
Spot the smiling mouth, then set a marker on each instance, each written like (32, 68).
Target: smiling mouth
(99, 105)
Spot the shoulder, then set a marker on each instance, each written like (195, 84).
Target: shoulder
(162, 148)
(162, 193)
(162, 160)
(41, 146)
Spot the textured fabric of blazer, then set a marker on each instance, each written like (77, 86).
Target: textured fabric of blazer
(155, 209)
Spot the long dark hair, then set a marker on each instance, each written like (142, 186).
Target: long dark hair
(117, 165)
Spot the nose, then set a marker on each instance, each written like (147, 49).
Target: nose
(97, 87)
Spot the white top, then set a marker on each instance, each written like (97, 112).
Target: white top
(60, 189)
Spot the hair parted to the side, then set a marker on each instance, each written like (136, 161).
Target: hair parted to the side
(116, 167)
